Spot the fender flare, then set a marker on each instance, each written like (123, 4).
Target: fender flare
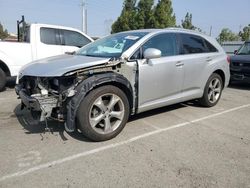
(84, 88)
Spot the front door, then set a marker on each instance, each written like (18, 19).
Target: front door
(161, 79)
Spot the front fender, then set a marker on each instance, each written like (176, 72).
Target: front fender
(84, 88)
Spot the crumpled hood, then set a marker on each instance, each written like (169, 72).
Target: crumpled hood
(240, 58)
(59, 65)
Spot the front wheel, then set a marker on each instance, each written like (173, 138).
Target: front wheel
(212, 91)
(2, 79)
(103, 113)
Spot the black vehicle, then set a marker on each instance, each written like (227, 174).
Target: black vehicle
(240, 64)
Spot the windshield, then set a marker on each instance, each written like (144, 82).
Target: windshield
(111, 46)
(245, 49)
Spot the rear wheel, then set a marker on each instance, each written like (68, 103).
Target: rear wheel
(212, 91)
(103, 113)
(2, 79)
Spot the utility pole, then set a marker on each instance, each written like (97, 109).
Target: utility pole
(84, 16)
(210, 32)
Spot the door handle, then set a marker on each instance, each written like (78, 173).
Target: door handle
(209, 59)
(179, 64)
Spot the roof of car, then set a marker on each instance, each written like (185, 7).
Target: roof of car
(175, 29)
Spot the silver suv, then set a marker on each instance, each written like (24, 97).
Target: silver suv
(97, 88)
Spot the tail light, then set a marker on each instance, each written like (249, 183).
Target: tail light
(228, 59)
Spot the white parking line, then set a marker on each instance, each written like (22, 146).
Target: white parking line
(150, 124)
(103, 148)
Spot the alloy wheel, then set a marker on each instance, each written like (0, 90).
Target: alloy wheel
(106, 113)
(214, 90)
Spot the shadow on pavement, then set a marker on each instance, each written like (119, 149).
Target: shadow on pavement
(35, 127)
(156, 112)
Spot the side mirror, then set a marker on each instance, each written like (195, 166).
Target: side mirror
(70, 53)
(151, 53)
(235, 52)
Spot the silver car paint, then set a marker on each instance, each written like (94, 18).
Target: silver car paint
(159, 81)
(162, 81)
(188, 74)
(59, 65)
(181, 83)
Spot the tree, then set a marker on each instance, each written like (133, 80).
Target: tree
(187, 22)
(145, 14)
(245, 34)
(163, 14)
(126, 21)
(3, 32)
(227, 35)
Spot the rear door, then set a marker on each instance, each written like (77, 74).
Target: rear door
(197, 54)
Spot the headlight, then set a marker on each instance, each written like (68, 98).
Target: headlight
(19, 76)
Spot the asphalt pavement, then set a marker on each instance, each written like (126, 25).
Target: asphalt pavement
(183, 145)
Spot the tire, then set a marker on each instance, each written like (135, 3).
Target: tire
(103, 113)
(2, 80)
(212, 91)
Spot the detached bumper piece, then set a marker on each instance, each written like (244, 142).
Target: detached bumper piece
(28, 101)
(38, 102)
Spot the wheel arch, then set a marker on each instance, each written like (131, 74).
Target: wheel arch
(93, 82)
(222, 75)
(128, 92)
(5, 68)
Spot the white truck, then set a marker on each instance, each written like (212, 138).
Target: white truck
(39, 41)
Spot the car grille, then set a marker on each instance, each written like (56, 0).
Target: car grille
(247, 74)
(240, 64)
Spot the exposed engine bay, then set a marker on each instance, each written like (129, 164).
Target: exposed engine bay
(57, 98)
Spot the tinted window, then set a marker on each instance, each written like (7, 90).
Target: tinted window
(210, 47)
(72, 38)
(192, 44)
(49, 36)
(166, 43)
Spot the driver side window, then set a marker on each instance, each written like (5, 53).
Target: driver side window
(165, 42)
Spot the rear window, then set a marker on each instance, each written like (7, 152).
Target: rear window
(50, 36)
(192, 44)
(72, 38)
(210, 47)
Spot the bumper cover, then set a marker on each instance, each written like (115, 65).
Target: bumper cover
(238, 76)
(27, 101)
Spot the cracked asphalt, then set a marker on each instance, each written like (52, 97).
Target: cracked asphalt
(182, 145)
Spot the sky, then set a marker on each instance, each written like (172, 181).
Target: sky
(217, 14)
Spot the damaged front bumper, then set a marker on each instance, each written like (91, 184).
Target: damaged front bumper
(58, 98)
(37, 102)
(27, 101)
